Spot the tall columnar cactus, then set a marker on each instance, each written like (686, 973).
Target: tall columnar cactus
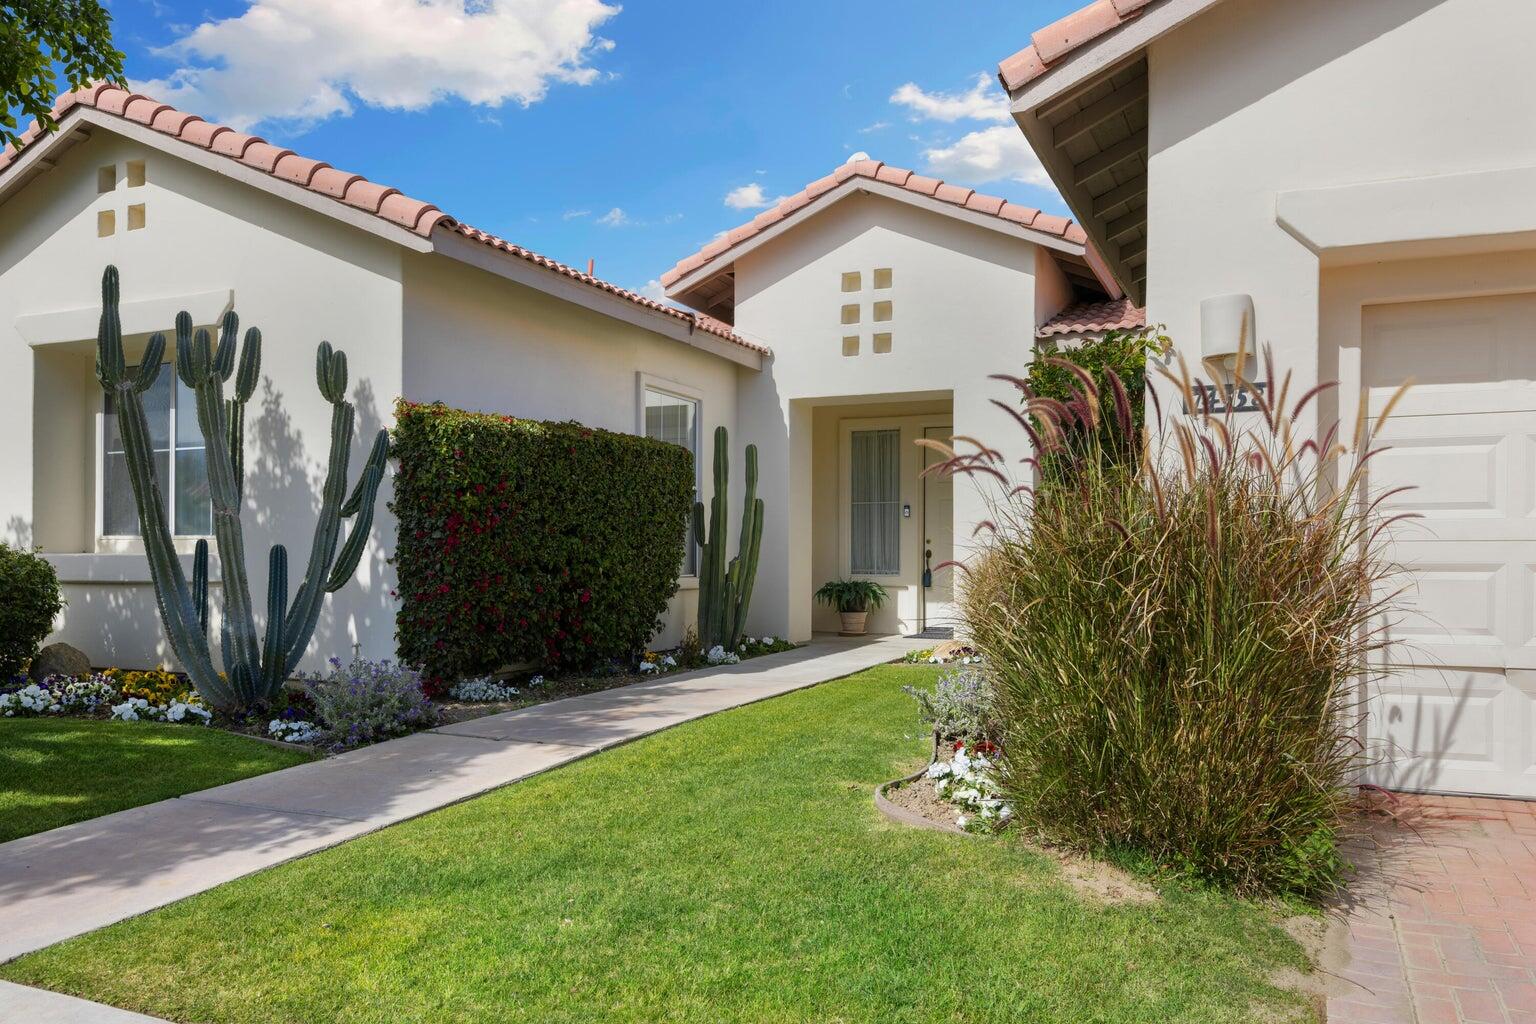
(725, 591)
(254, 669)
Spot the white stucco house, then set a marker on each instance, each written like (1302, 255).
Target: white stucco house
(832, 331)
(1364, 174)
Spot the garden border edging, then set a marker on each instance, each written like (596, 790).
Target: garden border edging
(903, 816)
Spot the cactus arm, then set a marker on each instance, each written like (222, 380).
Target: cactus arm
(274, 660)
(200, 585)
(360, 504)
(149, 366)
(304, 612)
(224, 355)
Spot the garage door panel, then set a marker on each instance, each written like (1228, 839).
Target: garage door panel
(1453, 604)
(1447, 476)
(1446, 728)
(1457, 712)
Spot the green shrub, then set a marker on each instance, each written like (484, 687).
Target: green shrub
(521, 541)
(1174, 646)
(29, 599)
(1121, 355)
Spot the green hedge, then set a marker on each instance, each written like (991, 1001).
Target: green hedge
(553, 543)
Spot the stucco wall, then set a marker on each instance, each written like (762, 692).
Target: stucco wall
(478, 341)
(963, 307)
(296, 274)
(1254, 98)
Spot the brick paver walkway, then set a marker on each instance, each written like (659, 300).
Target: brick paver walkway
(1442, 918)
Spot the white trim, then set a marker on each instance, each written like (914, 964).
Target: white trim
(514, 268)
(141, 317)
(861, 185)
(1432, 209)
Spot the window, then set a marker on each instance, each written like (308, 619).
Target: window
(675, 420)
(181, 464)
(875, 547)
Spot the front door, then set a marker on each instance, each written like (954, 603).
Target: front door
(938, 589)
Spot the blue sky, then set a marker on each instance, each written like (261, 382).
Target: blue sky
(539, 119)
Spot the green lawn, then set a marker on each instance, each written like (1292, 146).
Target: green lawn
(733, 869)
(54, 771)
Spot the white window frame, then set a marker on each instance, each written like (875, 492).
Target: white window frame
(134, 542)
(686, 393)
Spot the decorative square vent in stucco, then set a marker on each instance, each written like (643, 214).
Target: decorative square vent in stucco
(851, 313)
(852, 281)
(106, 178)
(106, 223)
(882, 311)
(135, 173)
(882, 277)
(135, 216)
(850, 344)
(883, 342)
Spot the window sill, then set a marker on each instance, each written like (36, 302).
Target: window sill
(116, 568)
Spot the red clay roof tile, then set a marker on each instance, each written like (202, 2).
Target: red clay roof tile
(1093, 317)
(421, 218)
(1060, 38)
(874, 170)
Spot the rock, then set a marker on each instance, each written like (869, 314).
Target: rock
(59, 659)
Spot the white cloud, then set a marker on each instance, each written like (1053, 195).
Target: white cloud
(749, 197)
(876, 127)
(984, 102)
(991, 154)
(575, 214)
(303, 61)
(653, 290)
(614, 218)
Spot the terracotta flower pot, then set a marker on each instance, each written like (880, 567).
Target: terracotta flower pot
(853, 623)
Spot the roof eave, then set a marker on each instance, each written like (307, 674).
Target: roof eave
(477, 254)
(38, 156)
(1086, 61)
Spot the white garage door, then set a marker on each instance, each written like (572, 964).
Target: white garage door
(1458, 713)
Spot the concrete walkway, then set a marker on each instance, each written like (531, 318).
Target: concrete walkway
(1442, 916)
(81, 877)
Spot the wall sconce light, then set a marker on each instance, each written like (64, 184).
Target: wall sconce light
(1227, 327)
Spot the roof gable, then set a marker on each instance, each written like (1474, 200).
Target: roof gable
(702, 278)
(420, 225)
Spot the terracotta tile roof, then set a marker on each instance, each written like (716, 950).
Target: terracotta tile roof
(1093, 317)
(1060, 38)
(875, 170)
(415, 215)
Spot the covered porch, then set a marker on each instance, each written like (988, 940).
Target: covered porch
(873, 514)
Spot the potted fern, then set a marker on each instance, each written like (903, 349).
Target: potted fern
(853, 599)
